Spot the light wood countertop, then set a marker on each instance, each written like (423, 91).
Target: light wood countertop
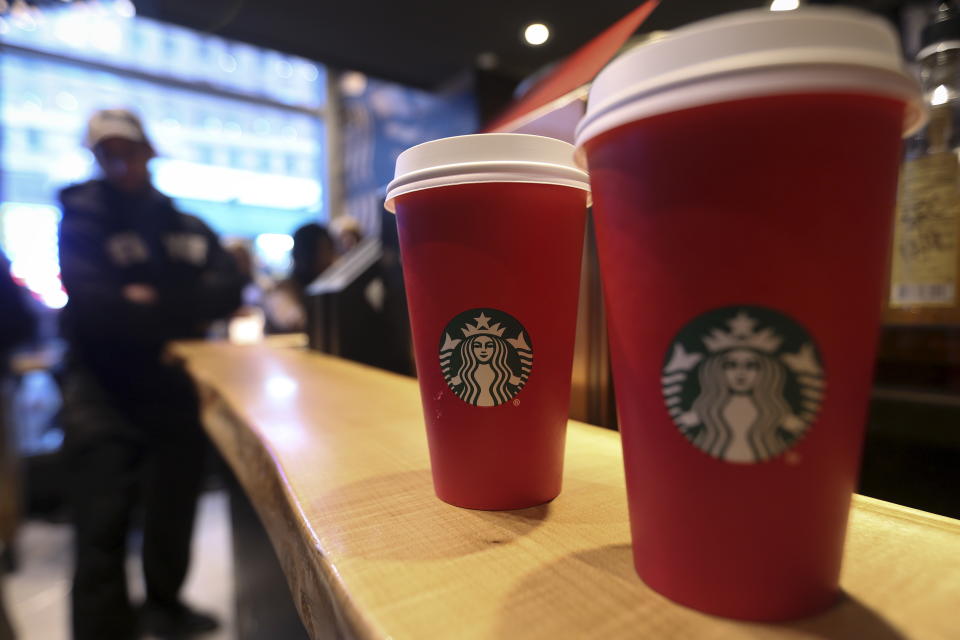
(333, 456)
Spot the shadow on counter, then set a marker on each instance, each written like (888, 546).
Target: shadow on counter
(631, 609)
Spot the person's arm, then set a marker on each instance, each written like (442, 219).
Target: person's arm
(216, 294)
(99, 303)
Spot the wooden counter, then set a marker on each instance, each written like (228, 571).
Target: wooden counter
(333, 456)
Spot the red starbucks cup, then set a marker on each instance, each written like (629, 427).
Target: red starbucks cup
(744, 171)
(491, 235)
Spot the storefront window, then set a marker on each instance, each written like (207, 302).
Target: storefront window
(238, 129)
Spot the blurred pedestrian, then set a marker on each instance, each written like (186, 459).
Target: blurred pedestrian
(16, 326)
(139, 274)
(247, 324)
(346, 232)
(313, 253)
(239, 250)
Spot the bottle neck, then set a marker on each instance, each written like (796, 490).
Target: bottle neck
(940, 79)
(940, 69)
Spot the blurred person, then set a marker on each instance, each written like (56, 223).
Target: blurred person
(139, 274)
(313, 252)
(239, 250)
(257, 282)
(346, 232)
(17, 326)
(247, 324)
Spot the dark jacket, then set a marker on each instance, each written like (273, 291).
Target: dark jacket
(17, 323)
(109, 239)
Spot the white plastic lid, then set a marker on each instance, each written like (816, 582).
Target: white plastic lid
(486, 157)
(752, 53)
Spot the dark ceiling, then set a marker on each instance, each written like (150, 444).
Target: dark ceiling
(426, 42)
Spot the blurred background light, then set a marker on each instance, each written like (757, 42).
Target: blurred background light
(67, 101)
(353, 83)
(536, 34)
(261, 126)
(246, 164)
(310, 72)
(784, 5)
(181, 179)
(273, 250)
(284, 69)
(124, 8)
(213, 124)
(29, 233)
(228, 63)
(940, 95)
(233, 129)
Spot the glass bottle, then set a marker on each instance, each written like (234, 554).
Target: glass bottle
(925, 260)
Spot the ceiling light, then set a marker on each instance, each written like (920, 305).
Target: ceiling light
(227, 62)
(784, 5)
(536, 34)
(353, 84)
(310, 72)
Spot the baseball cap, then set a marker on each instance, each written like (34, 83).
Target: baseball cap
(114, 123)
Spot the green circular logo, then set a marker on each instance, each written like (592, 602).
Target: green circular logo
(485, 356)
(744, 383)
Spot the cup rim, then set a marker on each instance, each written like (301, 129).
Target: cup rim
(501, 157)
(755, 52)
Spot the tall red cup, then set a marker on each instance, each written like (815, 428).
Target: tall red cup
(743, 195)
(491, 234)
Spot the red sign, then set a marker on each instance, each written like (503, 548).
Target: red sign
(577, 70)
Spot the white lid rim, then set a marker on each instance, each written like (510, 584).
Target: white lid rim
(751, 83)
(465, 136)
(396, 189)
(708, 70)
(748, 54)
(522, 168)
(486, 157)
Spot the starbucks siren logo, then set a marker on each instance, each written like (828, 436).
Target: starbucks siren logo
(743, 384)
(485, 356)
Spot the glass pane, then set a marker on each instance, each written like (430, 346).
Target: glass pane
(246, 166)
(106, 32)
